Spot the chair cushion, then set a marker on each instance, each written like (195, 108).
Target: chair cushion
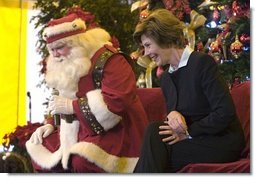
(241, 96)
(241, 166)
(153, 103)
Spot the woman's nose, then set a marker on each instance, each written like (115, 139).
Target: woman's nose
(146, 52)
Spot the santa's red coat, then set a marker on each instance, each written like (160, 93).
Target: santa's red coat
(117, 149)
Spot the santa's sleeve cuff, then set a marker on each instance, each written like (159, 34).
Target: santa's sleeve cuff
(96, 112)
(98, 107)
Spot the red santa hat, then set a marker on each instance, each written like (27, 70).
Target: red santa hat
(71, 24)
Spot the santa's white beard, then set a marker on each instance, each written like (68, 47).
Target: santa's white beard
(64, 73)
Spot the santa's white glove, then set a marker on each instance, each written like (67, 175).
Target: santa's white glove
(60, 105)
(40, 133)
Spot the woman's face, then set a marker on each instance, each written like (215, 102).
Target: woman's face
(160, 55)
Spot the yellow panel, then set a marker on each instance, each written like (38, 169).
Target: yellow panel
(12, 65)
(22, 74)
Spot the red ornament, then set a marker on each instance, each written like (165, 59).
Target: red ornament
(216, 14)
(215, 47)
(144, 14)
(178, 8)
(241, 9)
(228, 11)
(235, 8)
(215, 51)
(168, 4)
(236, 81)
(244, 38)
(236, 48)
(43, 63)
(160, 71)
(200, 46)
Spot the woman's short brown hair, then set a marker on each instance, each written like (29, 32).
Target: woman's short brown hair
(163, 27)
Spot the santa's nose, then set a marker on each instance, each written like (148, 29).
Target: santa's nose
(56, 53)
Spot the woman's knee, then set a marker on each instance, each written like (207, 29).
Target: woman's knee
(153, 127)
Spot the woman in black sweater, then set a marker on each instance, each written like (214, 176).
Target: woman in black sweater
(201, 125)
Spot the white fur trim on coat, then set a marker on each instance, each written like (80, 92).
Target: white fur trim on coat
(99, 108)
(68, 137)
(42, 156)
(108, 162)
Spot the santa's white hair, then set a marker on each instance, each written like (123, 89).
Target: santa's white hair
(64, 74)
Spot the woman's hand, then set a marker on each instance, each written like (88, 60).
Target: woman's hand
(172, 136)
(177, 122)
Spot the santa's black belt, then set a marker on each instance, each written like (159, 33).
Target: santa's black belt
(69, 118)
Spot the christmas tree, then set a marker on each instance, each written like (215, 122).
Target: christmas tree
(112, 15)
(224, 34)
(220, 28)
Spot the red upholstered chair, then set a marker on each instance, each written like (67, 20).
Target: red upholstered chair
(153, 102)
(154, 105)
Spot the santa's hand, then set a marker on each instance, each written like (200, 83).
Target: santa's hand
(60, 105)
(41, 133)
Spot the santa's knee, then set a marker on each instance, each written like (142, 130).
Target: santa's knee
(56, 169)
(82, 165)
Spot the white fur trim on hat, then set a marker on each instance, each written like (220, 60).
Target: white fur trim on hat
(64, 28)
(99, 108)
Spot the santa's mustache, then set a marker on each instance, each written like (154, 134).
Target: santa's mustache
(58, 59)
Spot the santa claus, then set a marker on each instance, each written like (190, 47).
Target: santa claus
(102, 118)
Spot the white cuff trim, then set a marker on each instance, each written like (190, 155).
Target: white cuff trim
(98, 107)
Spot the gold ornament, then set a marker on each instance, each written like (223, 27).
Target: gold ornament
(215, 51)
(207, 3)
(139, 5)
(147, 63)
(236, 48)
(141, 81)
(196, 21)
